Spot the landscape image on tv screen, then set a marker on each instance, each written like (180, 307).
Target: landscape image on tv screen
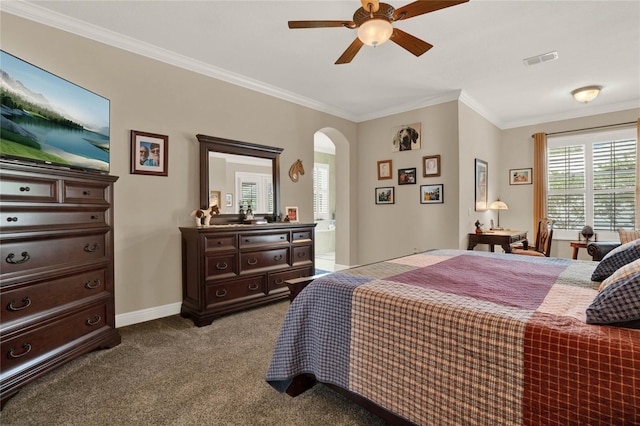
(47, 119)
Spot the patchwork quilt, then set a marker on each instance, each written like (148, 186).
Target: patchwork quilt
(462, 337)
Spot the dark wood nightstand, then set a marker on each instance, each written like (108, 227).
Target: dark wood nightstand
(298, 284)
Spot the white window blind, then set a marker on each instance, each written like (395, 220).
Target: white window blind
(591, 181)
(321, 191)
(256, 190)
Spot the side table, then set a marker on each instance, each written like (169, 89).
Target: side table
(577, 245)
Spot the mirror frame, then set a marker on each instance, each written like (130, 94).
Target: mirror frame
(210, 144)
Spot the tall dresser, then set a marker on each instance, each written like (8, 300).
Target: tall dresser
(228, 268)
(56, 279)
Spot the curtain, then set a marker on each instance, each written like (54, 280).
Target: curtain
(539, 179)
(638, 175)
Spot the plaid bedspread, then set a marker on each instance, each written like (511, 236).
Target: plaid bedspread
(461, 337)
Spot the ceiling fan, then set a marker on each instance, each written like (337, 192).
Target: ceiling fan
(374, 23)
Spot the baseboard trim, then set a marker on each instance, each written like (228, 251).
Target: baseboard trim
(148, 314)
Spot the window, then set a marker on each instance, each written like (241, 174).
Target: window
(256, 190)
(321, 191)
(592, 181)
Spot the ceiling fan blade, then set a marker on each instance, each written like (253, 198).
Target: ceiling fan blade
(375, 5)
(421, 7)
(409, 42)
(351, 52)
(321, 24)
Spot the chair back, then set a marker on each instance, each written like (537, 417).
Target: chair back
(544, 236)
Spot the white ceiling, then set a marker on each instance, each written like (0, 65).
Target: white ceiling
(478, 54)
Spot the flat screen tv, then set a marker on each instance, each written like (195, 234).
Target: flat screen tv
(48, 120)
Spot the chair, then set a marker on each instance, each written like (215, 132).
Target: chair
(543, 240)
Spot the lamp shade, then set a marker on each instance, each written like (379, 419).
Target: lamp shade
(586, 94)
(375, 31)
(498, 205)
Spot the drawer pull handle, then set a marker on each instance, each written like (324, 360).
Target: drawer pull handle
(254, 286)
(277, 257)
(25, 189)
(26, 349)
(25, 257)
(91, 249)
(221, 266)
(220, 242)
(282, 237)
(246, 240)
(86, 193)
(12, 219)
(96, 319)
(279, 281)
(92, 284)
(252, 261)
(26, 302)
(95, 217)
(221, 293)
(302, 254)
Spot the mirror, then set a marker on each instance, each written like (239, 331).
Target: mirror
(229, 168)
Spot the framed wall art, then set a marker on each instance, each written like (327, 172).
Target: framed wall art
(229, 200)
(385, 195)
(520, 176)
(215, 198)
(292, 214)
(432, 194)
(149, 154)
(431, 166)
(407, 137)
(407, 176)
(481, 188)
(385, 169)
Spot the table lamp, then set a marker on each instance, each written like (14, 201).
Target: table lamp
(498, 205)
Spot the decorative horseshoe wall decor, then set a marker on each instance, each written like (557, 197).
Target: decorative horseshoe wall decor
(296, 170)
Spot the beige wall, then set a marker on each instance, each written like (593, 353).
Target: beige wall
(150, 96)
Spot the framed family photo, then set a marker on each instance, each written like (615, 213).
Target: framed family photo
(482, 182)
(431, 166)
(385, 195)
(407, 176)
(520, 176)
(384, 169)
(149, 154)
(292, 214)
(432, 194)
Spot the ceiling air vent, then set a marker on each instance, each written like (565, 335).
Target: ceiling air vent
(545, 57)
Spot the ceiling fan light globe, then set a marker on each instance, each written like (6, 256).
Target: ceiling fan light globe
(375, 32)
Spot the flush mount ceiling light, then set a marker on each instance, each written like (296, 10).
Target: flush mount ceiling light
(586, 94)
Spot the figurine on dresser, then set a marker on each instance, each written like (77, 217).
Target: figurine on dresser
(203, 217)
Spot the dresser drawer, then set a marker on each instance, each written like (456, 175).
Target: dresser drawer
(265, 259)
(25, 188)
(85, 192)
(29, 255)
(234, 290)
(302, 255)
(219, 242)
(301, 236)
(28, 300)
(277, 280)
(251, 240)
(11, 218)
(221, 266)
(22, 348)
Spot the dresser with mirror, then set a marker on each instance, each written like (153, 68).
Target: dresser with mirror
(231, 263)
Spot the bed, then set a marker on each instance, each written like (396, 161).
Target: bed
(462, 337)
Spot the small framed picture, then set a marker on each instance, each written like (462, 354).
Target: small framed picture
(149, 154)
(431, 166)
(215, 198)
(482, 182)
(432, 194)
(229, 200)
(520, 176)
(385, 195)
(292, 214)
(384, 169)
(407, 176)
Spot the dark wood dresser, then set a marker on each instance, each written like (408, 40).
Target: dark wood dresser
(228, 268)
(56, 280)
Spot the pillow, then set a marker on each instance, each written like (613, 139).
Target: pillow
(619, 302)
(615, 259)
(626, 236)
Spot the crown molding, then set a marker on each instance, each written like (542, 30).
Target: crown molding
(80, 28)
